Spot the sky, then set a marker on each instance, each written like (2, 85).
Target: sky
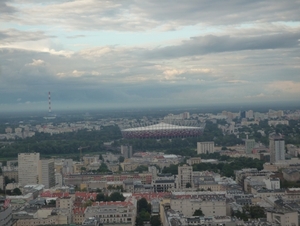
(137, 53)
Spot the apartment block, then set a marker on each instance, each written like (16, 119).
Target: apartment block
(205, 147)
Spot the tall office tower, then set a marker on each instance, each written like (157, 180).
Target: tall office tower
(28, 168)
(249, 144)
(243, 114)
(47, 173)
(185, 176)
(249, 114)
(277, 148)
(205, 147)
(126, 151)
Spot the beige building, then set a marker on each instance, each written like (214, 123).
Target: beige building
(129, 166)
(64, 203)
(50, 220)
(283, 217)
(185, 176)
(113, 213)
(28, 168)
(194, 160)
(205, 147)
(210, 203)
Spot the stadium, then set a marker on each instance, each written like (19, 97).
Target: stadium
(162, 130)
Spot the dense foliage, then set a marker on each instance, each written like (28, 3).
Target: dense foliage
(115, 196)
(251, 212)
(64, 143)
(224, 168)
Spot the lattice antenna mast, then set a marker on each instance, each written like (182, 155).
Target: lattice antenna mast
(49, 101)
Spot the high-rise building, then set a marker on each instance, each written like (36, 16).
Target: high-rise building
(277, 148)
(185, 176)
(47, 173)
(126, 151)
(28, 168)
(249, 144)
(205, 147)
(32, 170)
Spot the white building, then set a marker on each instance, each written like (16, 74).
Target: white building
(277, 148)
(205, 147)
(28, 168)
(272, 183)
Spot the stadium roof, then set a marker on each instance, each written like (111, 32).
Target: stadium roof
(160, 126)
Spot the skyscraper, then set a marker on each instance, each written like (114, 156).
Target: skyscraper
(277, 148)
(47, 173)
(32, 170)
(28, 168)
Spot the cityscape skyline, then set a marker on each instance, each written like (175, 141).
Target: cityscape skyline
(125, 53)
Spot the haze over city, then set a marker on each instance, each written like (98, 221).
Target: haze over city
(98, 54)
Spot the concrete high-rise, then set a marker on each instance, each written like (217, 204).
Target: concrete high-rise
(205, 147)
(47, 173)
(28, 168)
(32, 170)
(277, 148)
(249, 145)
(185, 176)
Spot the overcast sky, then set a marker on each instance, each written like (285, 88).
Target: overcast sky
(94, 53)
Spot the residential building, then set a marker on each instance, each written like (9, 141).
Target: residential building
(249, 145)
(28, 168)
(194, 160)
(211, 204)
(126, 151)
(205, 147)
(277, 148)
(185, 176)
(115, 213)
(283, 217)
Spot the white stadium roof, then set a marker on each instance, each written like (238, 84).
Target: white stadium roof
(160, 126)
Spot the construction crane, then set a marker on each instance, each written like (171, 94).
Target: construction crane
(80, 149)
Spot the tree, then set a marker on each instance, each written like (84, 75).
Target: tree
(198, 213)
(116, 196)
(155, 220)
(121, 159)
(16, 191)
(142, 204)
(188, 185)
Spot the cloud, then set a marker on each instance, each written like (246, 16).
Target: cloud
(10, 36)
(285, 87)
(127, 15)
(35, 63)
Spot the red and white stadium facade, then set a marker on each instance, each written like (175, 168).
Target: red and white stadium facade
(162, 130)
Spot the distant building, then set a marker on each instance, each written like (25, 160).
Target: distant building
(185, 176)
(47, 173)
(126, 151)
(283, 217)
(277, 148)
(205, 147)
(249, 145)
(28, 168)
(194, 160)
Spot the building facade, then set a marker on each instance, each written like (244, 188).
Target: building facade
(205, 147)
(277, 148)
(185, 176)
(47, 173)
(28, 168)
